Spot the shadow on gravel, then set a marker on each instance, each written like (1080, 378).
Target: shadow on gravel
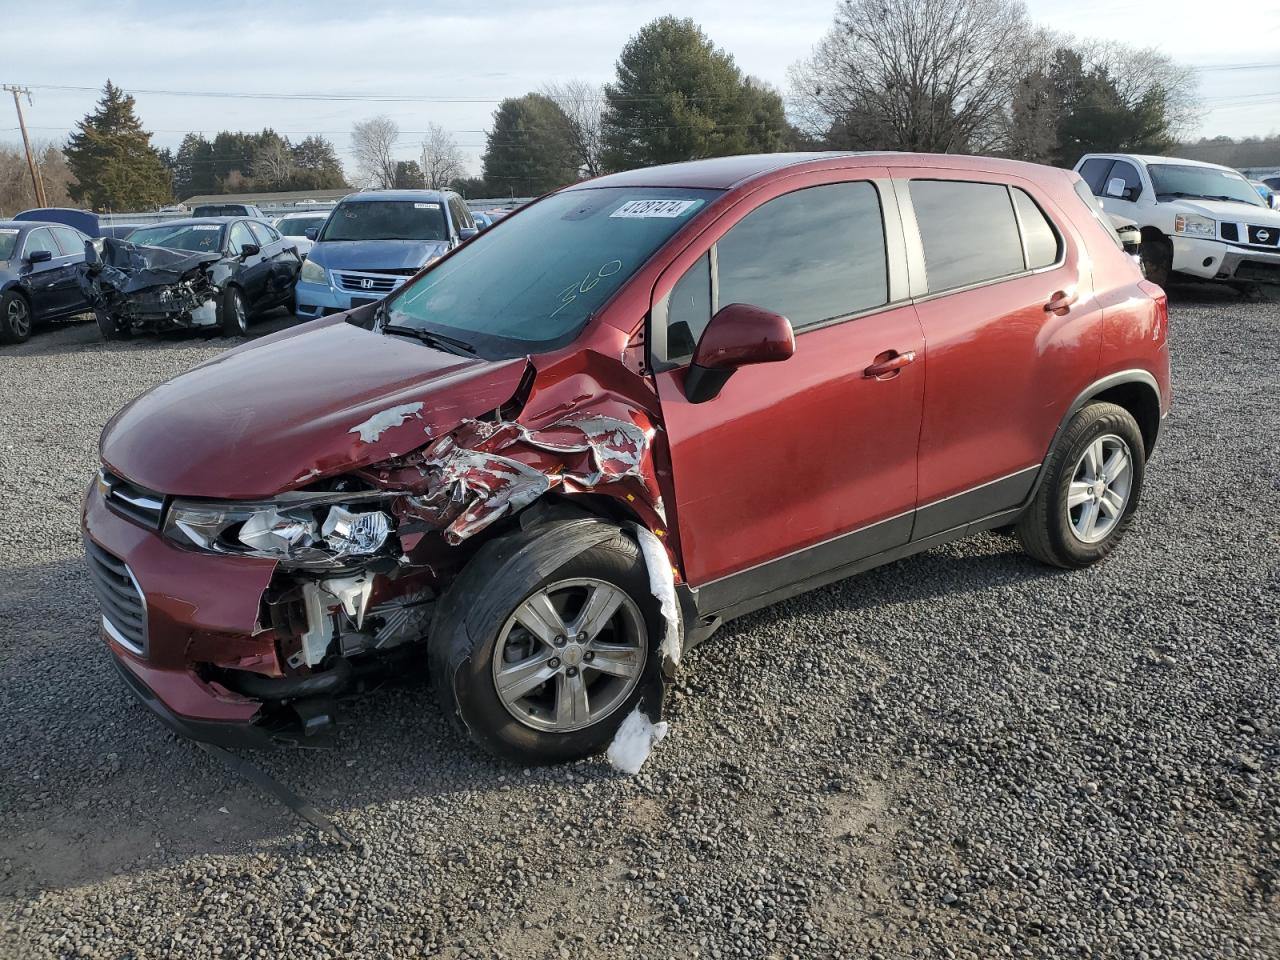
(81, 336)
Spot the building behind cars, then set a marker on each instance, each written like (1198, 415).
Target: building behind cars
(373, 242)
(1198, 219)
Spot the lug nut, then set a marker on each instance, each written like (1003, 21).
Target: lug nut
(560, 641)
(589, 656)
(554, 663)
(580, 637)
(572, 671)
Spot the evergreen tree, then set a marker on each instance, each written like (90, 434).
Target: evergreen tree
(530, 148)
(114, 163)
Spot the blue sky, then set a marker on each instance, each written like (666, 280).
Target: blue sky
(476, 54)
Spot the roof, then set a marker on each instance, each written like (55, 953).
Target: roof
(1151, 158)
(26, 224)
(436, 196)
(284, 196)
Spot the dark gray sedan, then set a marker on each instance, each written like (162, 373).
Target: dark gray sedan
(38, 276)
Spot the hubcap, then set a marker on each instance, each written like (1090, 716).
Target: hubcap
(1100, 487)
(19, 319)
(569, 655)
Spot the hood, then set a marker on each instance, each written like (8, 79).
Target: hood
(128, 267)
(277, 414)
(375, 254)
(1233, 211)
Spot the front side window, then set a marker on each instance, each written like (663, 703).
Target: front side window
(1040, 238)
(386, 220)
(240, 235)
(1173, 181)
(1128, 173)
(689, 309)
(196, 237)
(41, 239)
(534, 284)
(968, 230)
(812, 255)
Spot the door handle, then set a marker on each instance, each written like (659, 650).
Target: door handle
(1060, 303)
(888, 364)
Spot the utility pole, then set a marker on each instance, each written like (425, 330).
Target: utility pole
(37, 182)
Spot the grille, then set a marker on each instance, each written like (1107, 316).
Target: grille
(124, 612)
(1264, 236)
(138, 504)
(370, 282)
(1230, 232)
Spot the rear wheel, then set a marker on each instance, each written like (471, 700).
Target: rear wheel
(15, 317)
(1092, 485)
(234, 313)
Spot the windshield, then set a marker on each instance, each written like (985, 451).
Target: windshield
(1173, 180)
(533, 284)
(298, 226)
(196, 237)
(386, 220)
(8, 240)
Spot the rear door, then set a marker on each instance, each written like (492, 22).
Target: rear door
(282, 258)
(1013, 332)
(800, 466)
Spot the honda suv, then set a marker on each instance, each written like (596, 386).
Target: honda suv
(636, 408)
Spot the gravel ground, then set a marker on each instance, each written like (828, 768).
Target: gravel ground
(960, 755)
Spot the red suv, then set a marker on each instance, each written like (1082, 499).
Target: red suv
(638, 407)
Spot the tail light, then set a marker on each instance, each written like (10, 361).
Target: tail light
(1156, 293)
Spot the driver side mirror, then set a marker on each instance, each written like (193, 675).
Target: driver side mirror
(249, 249)
(737, 336)
(1116, 188)
(39, 256)
(311, 233)
(466, 233)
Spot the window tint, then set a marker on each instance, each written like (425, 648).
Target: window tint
(1129, 174)
(1038, 235)
(811, 255)
(240, 235)
(689, 310)
(261, 233)
(71, 241)
(968, 230)
(1094, 172)
(41, 239)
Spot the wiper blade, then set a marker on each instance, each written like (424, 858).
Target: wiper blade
(430, 338)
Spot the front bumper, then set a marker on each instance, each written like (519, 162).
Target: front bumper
(321, 299)
(1216, 260)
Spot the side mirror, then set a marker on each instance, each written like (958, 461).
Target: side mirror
(1116, 188)
(249, 250)
(466, 233)
(311, 232)
(737, 336)
(39, 256)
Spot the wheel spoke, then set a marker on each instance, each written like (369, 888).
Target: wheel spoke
(1116, 464)
(519, 678)
(1077, 494)
(615, 659)
(602, 603)
(539, 617)
(1088, 518)
(1111, 503)
(571, 699)
(1093, 459)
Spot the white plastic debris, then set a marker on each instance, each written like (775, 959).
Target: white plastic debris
(662, 584)
(634, 740)
(380, 422)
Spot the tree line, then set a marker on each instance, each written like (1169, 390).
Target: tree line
(958, 76)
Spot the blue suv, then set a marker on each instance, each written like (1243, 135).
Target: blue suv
(375, 241)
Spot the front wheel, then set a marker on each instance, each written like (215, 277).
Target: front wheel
(1092, 485)
(1157, 260)
(15, 317)
(234, 319)
(544, 668)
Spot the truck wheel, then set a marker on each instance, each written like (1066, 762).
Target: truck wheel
(542, 662)
(15, 317)
(233, 313)
(1092, 485)
(1157, 260)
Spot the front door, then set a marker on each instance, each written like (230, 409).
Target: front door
(800, 466)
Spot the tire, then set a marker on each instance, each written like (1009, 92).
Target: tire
(1157, 260)
(476, 638)
(233, 313)
(15, 317)
(1057, 532)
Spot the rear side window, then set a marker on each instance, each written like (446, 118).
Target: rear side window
(1038, 236)
(969, 232)
(812, 255)
(263, 233)
(1094, 173)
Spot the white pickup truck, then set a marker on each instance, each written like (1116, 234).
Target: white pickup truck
(1197, 219)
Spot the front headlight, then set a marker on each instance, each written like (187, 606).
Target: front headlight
(1190, 225)
(312, 272)
(302, 531)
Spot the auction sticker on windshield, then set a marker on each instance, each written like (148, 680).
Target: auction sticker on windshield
(206, 226)
(426, 206)
(665, 209)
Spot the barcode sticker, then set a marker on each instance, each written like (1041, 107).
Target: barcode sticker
(664, 209)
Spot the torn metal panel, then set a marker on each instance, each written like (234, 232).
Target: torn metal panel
(371, 429)
(662, 583)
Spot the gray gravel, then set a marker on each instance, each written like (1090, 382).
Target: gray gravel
(960, 755)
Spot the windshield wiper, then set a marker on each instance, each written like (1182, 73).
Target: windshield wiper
(437, 340)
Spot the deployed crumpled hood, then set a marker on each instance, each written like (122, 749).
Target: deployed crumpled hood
(1232, 210)
(277, 414)
(129, 267)
(375, 254)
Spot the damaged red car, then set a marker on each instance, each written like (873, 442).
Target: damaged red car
(567, 451)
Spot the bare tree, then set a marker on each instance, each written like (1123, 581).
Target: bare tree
(583, 103)
(441, 158)
(373, 145)
(272, 163)
(16, 192)
(1140, 72)
(931, 75)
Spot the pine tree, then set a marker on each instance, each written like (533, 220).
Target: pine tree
(115, 165)
(530, 149)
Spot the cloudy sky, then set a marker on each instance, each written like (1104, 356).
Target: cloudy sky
(460, 59)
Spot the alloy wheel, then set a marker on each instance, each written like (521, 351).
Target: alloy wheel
(18, 317)
(569, 655)
(1100, 488)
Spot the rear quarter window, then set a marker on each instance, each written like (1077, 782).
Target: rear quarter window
(1043, 245)
(969, 232)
